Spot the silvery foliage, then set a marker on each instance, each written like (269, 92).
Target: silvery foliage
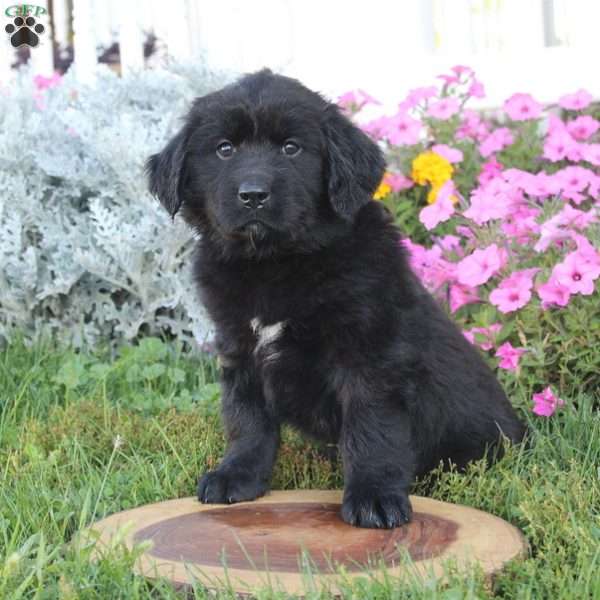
(86, 254)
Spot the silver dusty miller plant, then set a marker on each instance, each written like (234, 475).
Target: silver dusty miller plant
(86, 254)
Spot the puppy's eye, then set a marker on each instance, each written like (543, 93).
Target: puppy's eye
(291, 148)
(225, 149)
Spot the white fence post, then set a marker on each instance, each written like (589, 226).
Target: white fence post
(178, 30)
(84, 41)
(131, 41)
(41, 58)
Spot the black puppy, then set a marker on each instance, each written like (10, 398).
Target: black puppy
(320, 322)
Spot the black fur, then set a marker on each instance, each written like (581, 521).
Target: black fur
(320, 321)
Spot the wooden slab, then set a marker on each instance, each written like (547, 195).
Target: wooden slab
(271, 540)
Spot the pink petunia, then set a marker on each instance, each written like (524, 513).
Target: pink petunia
(486, 336)
(460, 295)
(578, 272)
(452, 155)
(355, 100)
(574, 180)
(560, 145)
(400, 129)
(583, 127)
(494, 200)
(509, 356)
(478, 267)
(429, 265)
(545, 403)
(514, 291)
(416, 96)
(472, 126)
(522, 223)
(450, 243)
(441, 210)
(496, 141)
(476, 89)
(522, 107)
(489, 170)
(403, 130)
(577, 101)
(443, 109)
(398, 181)
(553, 293)
(591, 153)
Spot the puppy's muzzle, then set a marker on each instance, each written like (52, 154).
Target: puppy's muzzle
(254, 194)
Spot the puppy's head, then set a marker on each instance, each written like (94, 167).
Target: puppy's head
(265, 166)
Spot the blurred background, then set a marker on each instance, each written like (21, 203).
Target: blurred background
(543, 47)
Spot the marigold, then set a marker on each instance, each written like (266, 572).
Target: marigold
(382, 191)
(429, 167)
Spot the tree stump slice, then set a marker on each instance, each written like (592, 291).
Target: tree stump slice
(281, 537)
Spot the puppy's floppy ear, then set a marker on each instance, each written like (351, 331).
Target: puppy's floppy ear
(165, 173)
(355, 164)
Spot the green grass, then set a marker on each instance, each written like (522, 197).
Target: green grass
(83, 436)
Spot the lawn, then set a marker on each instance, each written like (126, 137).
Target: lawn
(85, 435)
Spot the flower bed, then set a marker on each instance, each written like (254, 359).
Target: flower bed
(500, 209)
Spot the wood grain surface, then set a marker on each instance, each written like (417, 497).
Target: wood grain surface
(274, 539)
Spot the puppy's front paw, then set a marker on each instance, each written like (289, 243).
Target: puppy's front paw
(217, 487)
(381, 509)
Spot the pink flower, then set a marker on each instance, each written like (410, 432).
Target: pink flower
(583, 127)
(478, 267)
(496, 141)
(514, 291)
(449, 243)
(591, 153)
(560, 145)
(398, 182)
(417, 96)
(578, 271)
(429, 265)
(403, 130)
(545, 403)
(400, 130)
(450, 154)
(494, 200)
(553, 293)
(443, 109)
(522, 107)
(355, 100)
(486, 335)
(522, 223)
(460, 295)
(577, 101)
(476, 89)
(463, 70)
(509, 356)
(45, 83)
(489, 170)
(553, 230)
(441, 210)
(573, 180)
(472, 126)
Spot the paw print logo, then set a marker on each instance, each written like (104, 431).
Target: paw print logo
(24, 32)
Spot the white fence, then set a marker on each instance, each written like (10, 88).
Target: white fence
(385, 47)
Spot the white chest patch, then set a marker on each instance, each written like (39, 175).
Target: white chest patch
(266, 335)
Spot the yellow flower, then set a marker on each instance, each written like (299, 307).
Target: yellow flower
(431, 168)
(382, 191)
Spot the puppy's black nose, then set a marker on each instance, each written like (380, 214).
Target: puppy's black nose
(253, 195)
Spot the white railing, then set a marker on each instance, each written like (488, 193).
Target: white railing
(385, 47)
